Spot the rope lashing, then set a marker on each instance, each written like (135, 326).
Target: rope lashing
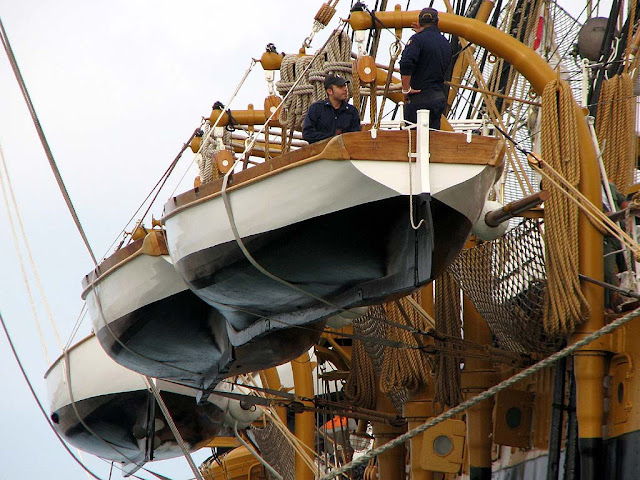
(484, 395)
(447, 316)
(404, 368)
(565, 305)
(615, 124)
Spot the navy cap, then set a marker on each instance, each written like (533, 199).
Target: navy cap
(428, 15)
(336, 80)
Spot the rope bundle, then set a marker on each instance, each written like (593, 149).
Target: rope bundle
(565, 305)
(296, 106)
(207, 159)
(360, 389)
(447, 317)
(339, 59)
(366, 359)
(311, 86)
(615, 124)
(404, 368)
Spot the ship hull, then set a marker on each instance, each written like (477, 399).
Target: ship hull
(104, 409)
(340, 232)
(148, 321)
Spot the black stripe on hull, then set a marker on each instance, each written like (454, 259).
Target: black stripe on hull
(182, 339)
(359, 256)
(178, 338)
(115, 417)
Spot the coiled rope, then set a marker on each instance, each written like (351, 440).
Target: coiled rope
(404, 368)
(485, 395)
(447, 317)
(310, 72)
(339, 60)
(565, 304)
(615, 124)
(296, 105)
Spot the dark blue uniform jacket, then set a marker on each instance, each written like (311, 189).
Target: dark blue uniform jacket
(426, 58)
(324, 121)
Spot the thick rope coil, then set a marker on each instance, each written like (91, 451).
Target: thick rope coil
(526, 373)
(206, 160)
(447, 316)
(565, 305)
(339, 58)
(404, 368)
(615, 124)
(296, 106)
(360, 389)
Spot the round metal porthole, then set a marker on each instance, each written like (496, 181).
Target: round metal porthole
(442, 445)
(620, 392)
(513, 417)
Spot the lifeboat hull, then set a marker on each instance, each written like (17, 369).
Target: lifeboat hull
(339, 230)
(106, 410)
(148, 321)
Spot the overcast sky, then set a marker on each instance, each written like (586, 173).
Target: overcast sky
(118, 86)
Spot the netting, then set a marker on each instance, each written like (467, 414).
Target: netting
(276, 450)
(506, 281)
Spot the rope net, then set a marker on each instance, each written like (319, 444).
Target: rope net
(506, 281)
(276, 449)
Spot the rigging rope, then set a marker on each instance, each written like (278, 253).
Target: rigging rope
(615, 124)
(485, 395)
(565, 304)
(174, 429)
(447, 316)
(43, 139)
(38, 402)
(16, 243)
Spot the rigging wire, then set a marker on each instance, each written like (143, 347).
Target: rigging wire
(16, 244)
(39, 403)
(43, 139)
(159, 186)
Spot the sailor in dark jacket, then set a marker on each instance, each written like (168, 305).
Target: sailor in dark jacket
(423, 66)
(333, 115)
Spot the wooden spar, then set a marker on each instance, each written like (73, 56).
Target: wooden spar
(589, 361)
(243, 117)
(477, 376)
(305, 421)
(510, 210)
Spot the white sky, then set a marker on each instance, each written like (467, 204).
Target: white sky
(118, 86)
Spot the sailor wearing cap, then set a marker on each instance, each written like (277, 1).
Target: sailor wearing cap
(423, 67)
(333, 115)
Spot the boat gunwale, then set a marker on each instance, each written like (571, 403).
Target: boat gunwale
(121, 257)
(339, 148)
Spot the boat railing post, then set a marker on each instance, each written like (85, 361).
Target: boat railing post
(422, 151)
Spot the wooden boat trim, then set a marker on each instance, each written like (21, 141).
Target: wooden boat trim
(153, 244)
(446, 147)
